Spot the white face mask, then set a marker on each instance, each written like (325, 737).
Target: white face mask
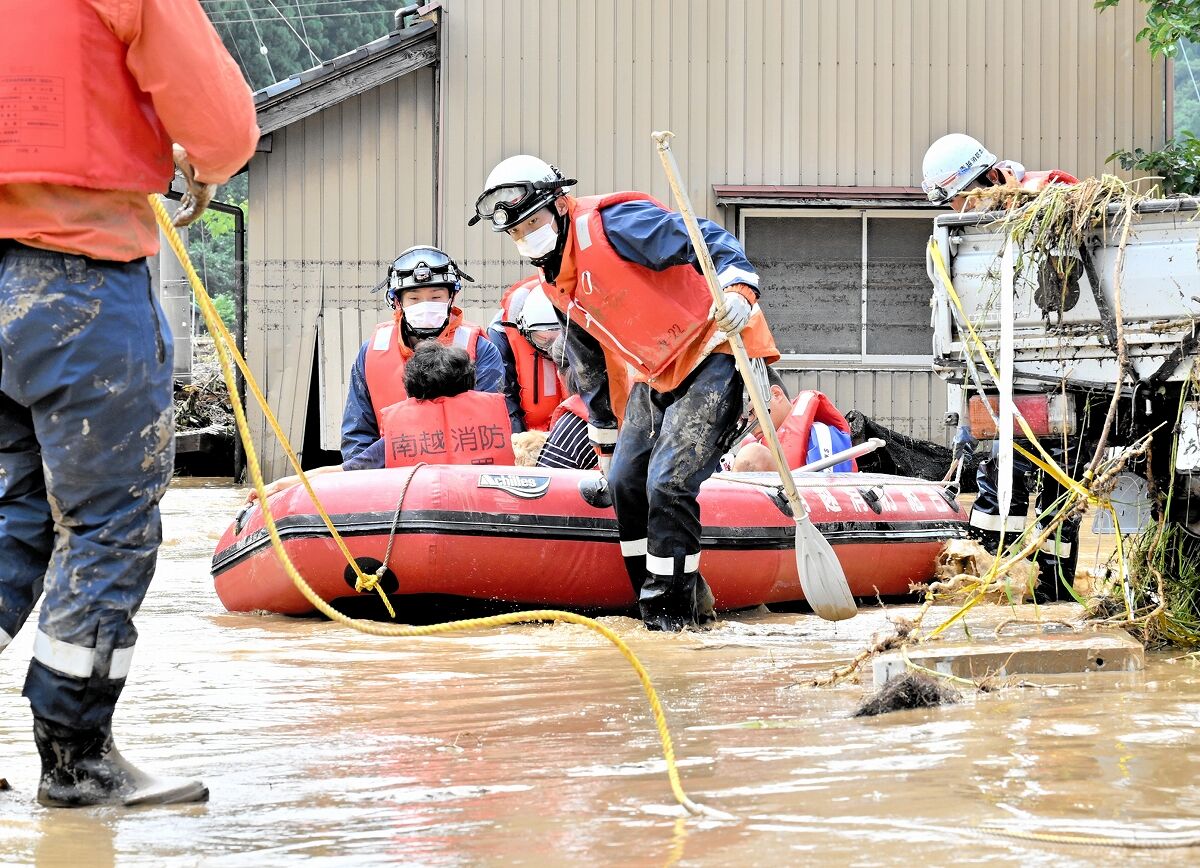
(538, 243)
(427, 314)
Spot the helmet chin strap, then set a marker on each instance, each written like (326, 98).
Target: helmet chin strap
(552, 261)
(412, 335)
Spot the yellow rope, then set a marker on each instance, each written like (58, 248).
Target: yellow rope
(1053, 469)
(1045, 462)
(226, 348)
(1139, 843)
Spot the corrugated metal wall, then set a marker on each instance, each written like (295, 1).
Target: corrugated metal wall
(829, 92)
(340, 194)
(814, 92)
(904, 398)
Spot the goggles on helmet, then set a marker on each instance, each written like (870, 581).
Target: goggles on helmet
(424, 266)
(509, 204)
(942, 191)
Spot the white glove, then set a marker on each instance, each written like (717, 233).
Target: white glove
(603, 462)
(732, 318)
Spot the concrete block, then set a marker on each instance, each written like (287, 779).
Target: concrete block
(1101, 651)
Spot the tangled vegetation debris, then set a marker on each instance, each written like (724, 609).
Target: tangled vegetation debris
(1158, 601)
(910, 690)
(202, 406)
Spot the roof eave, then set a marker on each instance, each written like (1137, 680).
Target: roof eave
(349, 75)
(789, 196)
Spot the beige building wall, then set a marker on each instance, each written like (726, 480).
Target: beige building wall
(338, 196)
(758, 92)
(789, 92)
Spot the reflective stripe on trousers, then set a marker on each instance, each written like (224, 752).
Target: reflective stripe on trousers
(669, 443)
(85, 393)
(78, 661)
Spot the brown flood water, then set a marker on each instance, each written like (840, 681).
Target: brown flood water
(534, 745)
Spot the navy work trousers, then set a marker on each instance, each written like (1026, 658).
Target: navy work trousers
(1058, 556)
(670, 442)
(86, 452)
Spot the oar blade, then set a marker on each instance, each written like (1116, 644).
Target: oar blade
(821, 575)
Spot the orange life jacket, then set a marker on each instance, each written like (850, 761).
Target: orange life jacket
(657, 321)
(387, 354)
(469, 428)
(573, 405)
(810, 406)
(541, 387)
(1036, 181)
(63, 80)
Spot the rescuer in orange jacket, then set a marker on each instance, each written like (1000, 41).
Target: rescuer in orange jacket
(953, 166)
(567, 444)
(421, 287)
(92, 95)
(442, 421)
(523, 331)
(621, 271)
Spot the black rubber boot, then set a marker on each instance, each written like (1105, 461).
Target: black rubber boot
(1051, 586)
(84, 767)
(706, 603)
(674, 603)
(667, 603)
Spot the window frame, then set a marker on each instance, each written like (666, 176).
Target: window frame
(847, 360)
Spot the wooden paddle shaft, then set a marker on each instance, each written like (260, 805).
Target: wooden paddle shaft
(757, 399)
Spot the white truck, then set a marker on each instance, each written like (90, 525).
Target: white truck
(1064, 334)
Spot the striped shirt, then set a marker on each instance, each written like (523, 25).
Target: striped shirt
(568, 445)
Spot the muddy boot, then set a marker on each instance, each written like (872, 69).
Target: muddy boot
(668, 603)
(706, 603)
(84, 767)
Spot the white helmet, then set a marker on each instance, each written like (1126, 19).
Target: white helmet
(517, 188)
(951, 163)
(537, 319)
(537, 313)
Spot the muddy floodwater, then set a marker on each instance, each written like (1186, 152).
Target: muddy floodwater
(534, 745)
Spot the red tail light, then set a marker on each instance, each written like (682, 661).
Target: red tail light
(1045, 414)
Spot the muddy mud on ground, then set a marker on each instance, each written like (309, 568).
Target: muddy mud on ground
(534, 745)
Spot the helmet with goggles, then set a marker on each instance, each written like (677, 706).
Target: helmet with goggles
(421, 267)
(951, 164)
(537, 320)
(516, 189)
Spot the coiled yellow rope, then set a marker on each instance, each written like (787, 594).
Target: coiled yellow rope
(226, 348)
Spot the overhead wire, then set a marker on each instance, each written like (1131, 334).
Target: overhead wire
(303, 23)
(1188, 63)
(320, 15)
(220, 7)
(295, 33)
(262, 46)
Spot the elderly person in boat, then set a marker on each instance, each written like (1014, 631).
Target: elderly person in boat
(442, 421)
(809, 428)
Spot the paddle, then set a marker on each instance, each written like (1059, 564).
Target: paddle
(864, 448)
(821, 576)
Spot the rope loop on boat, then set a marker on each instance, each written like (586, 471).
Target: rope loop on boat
(226, 350)
(387, 552)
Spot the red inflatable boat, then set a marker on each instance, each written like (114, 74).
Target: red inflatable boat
(529, 536)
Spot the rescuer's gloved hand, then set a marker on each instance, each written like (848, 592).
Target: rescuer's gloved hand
(198, 194)
(964, 443)
(603, 459)
(733, 315)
